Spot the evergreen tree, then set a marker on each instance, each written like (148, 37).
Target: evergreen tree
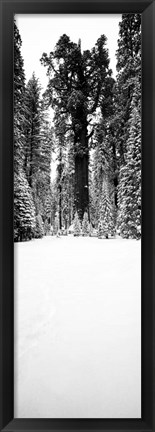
(129, 71)
(85, 225)
(32, 129)
(96, 138)
(127, 125)
(19, 108)
(68, 186)
(77, 225)
(47, 227)
(129, 217)
(65, 171)
(39, 137)
(90, 230)
(99, 168)
(39, 229)
(32, 143)
(47, 208)
(24, 219)
(61, 144)
(46, 147)
(100, 228)
(56, 223)
(106, 222)
(107, 210)
(24, 212)
(102, 168)
(54, 205)
(77, 83)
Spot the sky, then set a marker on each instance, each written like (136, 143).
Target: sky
(40, 33)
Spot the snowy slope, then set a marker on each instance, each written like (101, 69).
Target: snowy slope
(78, 328)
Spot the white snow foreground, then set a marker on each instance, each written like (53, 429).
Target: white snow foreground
(78, 328)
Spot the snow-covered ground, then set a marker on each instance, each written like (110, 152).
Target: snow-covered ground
(78, 328)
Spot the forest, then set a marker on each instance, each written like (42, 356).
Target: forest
(94, 138)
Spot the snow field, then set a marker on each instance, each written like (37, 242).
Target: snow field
(78, 328)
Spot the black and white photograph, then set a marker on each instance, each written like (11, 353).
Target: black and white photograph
(77, 216)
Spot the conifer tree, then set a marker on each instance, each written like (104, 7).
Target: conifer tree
(32, 129)
(19, 107)
(90, 230)
(32, 143)
(61, 144)
(99, 168)
(85, 225)
(65, 171)
(127, 124)
(24, 212)
(77, 83)
(54, 205)
(77, 225)
(46, 146)
(24, 220)
(106, 223)
(47, 227)
(100, 228)
(39, 137)
(42, 189)
(107, 210)
(102, 168)
(39, 229)
(56, 223)
(129, 216)
(47, 206)
(129, 71)
(68, 186)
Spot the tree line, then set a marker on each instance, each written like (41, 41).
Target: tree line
(95, 137)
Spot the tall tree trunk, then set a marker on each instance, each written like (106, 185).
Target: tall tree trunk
(81, 197)
(31, 158)
(60, 206)
(70, 205)
(115, 175)
(60, 188)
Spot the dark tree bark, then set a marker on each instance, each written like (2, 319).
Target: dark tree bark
(115, 175)
(60, 187)
(81, 185)
(81, 198)
(60, 206)
(31, 158)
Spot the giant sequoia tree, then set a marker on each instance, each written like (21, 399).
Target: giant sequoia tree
(77, 86)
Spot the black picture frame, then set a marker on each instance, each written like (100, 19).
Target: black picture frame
(7, 11)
